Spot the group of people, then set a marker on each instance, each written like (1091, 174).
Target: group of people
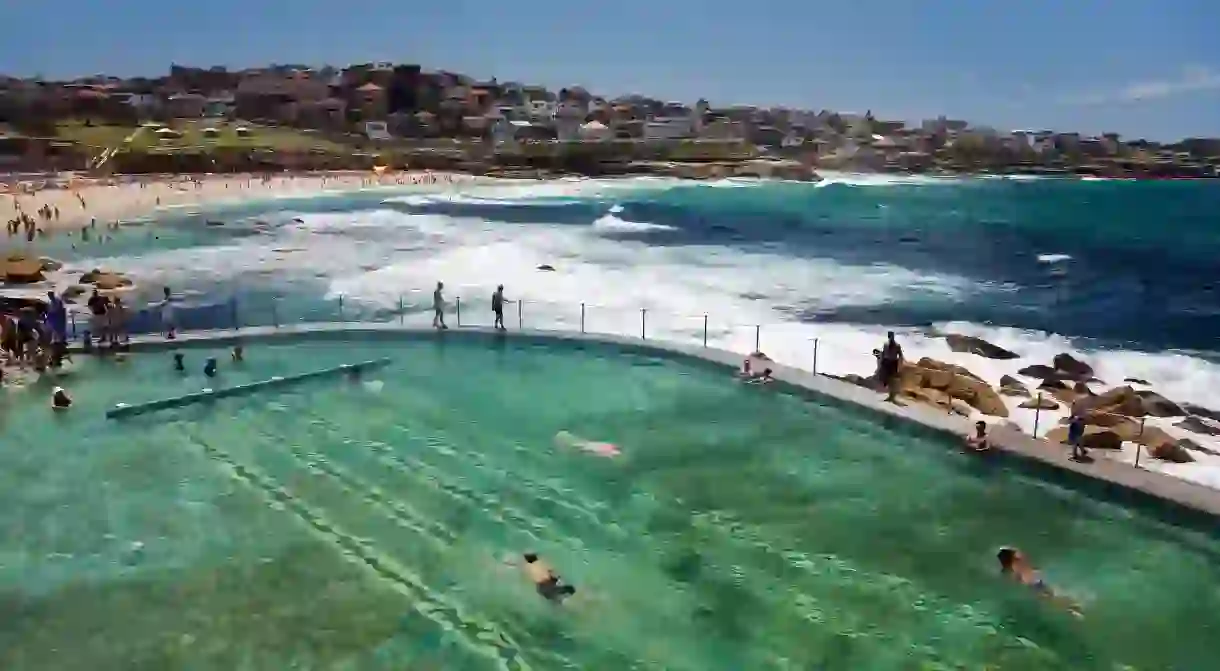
(438, 307)
(34, 338)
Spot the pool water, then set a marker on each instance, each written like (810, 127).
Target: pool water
(362, 524)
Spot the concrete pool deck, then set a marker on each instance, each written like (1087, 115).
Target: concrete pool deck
(1116, 478)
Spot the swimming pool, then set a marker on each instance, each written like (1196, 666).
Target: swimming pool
(361, 524)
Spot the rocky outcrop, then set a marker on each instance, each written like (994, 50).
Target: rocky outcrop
(1131, 403)
(1200, 426)
(18, 269)
(1174, 452)
(977, 346)
(1011, 386)
(1201, 411)
(1040, 372)
(939, 384)
(105, 280)
(1039, 403)
(1195, 447)
(1159, 406)
(1072, 368)
(1095, 437)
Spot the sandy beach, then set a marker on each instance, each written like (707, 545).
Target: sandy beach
(75, 201)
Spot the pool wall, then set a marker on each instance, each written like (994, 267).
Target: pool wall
(1177, 501)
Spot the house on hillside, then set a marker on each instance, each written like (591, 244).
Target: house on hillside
(186, 105)
(271, 95)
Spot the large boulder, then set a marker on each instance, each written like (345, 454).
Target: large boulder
(1011, 386)
(105, 280)
(1072, 367)
(1156, 405)
(1040, 403)
(1200, 426)
(1195, 447)
(1201, 411)
(1095, 437)
(1119, 401)
(978, 346)
(21, 270)
(1173, 452)
(1040, 372)
(917, 381)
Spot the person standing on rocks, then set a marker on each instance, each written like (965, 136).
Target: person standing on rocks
(889, 364)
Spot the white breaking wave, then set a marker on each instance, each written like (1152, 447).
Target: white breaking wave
(375, 257)
(612, 224)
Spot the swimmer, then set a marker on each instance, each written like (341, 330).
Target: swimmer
(209, 368)
(1014, 565)
(764, 377)
(60, 399)
(238, 354)
(977, 441)
(566, 439)
(178, 363)
(746, 372)
(548, 583)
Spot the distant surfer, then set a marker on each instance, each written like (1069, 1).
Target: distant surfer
(566, 439)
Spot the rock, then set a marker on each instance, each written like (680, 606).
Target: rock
(977, 346)
(1068, 396)
(1072, 367)
(110, 281)
(547, 267)
(73, 292)
(1095, 437)
(1010, 381)
(50, 265)
(1201, 411)
(978, 394)
(937, 383)
(1015, 391)
(1199, 425)
(1040, 372)
(1159, 406)
(87, 278)
(20, 270)
(929, 362)
(1082, 389)
(1192, 445)
(1173, 452)
(1119, 400)
(1136, 380)
(1040, 403)
(1107, 420)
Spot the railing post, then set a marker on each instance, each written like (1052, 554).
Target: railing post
(1139, 445)
(815, 356)
(340, 307)
(705, 330)
(643, 323)
(1037, 414)
(520, 320)
(582, 318)
(457, 307)
(758, 337)
(402, 315)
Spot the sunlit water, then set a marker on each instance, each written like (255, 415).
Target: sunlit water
(361, 524)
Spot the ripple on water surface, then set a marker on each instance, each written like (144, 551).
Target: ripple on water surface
(362, 524)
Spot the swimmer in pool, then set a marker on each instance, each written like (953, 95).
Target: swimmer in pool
(209, 368)
(1014, 565)
(549, 584)
(764, 377)
(977, 441)
(238, 354)
(60, 399)
(178, 363)
(566, 439)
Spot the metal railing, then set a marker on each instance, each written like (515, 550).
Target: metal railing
(796, 345)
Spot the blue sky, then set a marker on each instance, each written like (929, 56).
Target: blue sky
(1139, 68)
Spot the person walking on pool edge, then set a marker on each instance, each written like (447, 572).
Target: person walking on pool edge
(438, 307)
(889, 365)
(497, 307)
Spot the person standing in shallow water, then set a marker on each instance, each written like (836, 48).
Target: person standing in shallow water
(438, 307)
(889, 365)
(497, 307)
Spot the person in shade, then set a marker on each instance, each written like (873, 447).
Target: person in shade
(1016, 566)
(497, 307)
(209, 368)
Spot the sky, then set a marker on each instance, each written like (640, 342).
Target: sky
(1140, 68)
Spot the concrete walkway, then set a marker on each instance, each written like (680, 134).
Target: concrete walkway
(1117, 480)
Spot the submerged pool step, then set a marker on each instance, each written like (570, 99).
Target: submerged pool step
(125, 410)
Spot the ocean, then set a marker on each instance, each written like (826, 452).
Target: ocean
(1123, 274)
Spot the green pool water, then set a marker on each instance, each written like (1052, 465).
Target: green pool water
(360, 524)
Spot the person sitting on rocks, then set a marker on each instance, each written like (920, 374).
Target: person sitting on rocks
(977, 441)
